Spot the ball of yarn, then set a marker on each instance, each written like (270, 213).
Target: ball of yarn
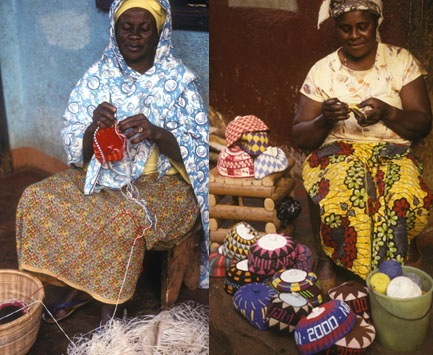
(392, 268)
(415, 278)
(403, 287)
(380, 281)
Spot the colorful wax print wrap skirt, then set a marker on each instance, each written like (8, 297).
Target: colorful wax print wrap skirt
(373, 201)
(86, 241)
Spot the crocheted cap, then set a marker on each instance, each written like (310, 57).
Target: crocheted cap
(238, 275)
(218, 262)
(252, 300)
(270, 253)
(293, 280)
(355, 295)
(286, 310)
(234, 162)
(243, 124)
(238, 240)
(324, 326)
(254, 143)
(392, 268)
(304, 258)
(272, 160)
(356, 341)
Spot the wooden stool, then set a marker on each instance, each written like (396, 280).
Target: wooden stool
(180, 263)
(226, 200)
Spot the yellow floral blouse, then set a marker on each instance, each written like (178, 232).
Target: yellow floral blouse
(394, 68)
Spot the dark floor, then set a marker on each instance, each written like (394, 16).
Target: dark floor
(231, 334)
(50, 340)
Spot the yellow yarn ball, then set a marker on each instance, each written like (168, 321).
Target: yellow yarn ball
(380, 281)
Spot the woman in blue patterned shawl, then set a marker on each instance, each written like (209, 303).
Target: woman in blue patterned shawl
(95, 213)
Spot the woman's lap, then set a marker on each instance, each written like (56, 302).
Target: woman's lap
(361, 189)
(85, 241)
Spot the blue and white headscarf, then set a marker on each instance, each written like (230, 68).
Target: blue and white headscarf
(167, 95)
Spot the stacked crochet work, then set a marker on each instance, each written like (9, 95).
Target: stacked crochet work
(238, 241)
(249, 135)
(324, 326)
(252, 301)
(286, 310)
(355, 295)
(238, 275)
(219, 263)
(271, 253)
(305, 284)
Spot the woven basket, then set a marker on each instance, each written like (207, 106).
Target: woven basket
(18, 336)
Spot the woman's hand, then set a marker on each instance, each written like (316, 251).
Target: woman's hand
(333, 111)
(376, 110)
(139, 128)
(103, 116)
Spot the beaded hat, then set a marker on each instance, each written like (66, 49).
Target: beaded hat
(356, 341)
(270, 253)
(286, 310)
(252, 301)
(238, 275)
(234, 162)
(218, 263)
(355, 295)
(254, 143)
(324, 326)
(304, 258)
(272, 160)
(238, 241)
(242, 124)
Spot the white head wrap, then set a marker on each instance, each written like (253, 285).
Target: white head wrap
(335, 8)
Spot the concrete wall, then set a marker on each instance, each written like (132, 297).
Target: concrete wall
(260, 53)
(46, 46)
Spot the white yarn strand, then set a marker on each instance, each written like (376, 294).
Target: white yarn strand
(182, 330)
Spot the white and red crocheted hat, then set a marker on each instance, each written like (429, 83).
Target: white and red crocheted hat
(234, 162)
(242, 124)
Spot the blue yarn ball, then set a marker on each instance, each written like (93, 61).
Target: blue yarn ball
(392, 268)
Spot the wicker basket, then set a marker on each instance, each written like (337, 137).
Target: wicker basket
(18, 336)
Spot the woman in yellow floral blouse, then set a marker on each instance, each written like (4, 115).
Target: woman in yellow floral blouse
(361, 107)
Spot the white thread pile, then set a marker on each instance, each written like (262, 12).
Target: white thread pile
(184, 329)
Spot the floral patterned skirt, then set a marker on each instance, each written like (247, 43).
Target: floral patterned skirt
(86, 241)
(373, 201)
